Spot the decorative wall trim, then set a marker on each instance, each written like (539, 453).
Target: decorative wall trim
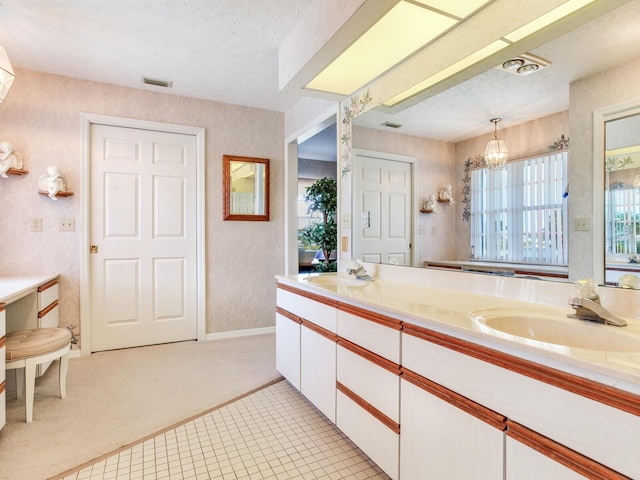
(561, 454)
(361, 402)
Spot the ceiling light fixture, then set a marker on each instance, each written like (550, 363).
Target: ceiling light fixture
(532, 27)
(496, 153)
(6, 74)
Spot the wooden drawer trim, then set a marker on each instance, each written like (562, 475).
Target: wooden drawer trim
(372, 316)
(370, 356)
(3, 386)
(50, 284)
(3, 341)
(312, 296)
(561, 454)
(362, 403)
(2, 305)
(481, 412)
(46, 310)
(604, 394)
(288, 314)
(319, 330)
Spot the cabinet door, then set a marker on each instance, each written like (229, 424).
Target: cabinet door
(318, 370)
(525, 463)
(374, 438)
(439, 440)
(288, 349)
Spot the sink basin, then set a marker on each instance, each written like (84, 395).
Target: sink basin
(541, 327)
(333, 280)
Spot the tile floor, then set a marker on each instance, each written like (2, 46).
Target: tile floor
(274, 433)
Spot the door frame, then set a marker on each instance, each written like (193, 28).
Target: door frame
(394, 157)
(87, 120)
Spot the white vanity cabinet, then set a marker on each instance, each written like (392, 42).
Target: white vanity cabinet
(568, 419)
(446, 436)
(288, 346)
(368, 384)
(317, 317)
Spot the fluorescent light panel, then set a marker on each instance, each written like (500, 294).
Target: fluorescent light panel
(403, 30)
(530, 28)
(547, 19)
(448, 72)
(458, 8)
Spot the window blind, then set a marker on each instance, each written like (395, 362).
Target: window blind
(518, 214)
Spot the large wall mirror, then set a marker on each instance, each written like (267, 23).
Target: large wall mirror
(445, 130)
(245, 188)
(622, 198)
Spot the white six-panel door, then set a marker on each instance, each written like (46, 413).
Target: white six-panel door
(382, 210)
(143, 237)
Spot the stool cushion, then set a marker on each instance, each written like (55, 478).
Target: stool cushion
(36, 341)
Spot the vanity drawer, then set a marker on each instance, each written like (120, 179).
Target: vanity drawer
(49, 317)
(322, 314)
(47, 294)
(376, 333)
(570, 419)
(380, 387)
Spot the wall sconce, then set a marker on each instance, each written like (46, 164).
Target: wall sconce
(496, 153)
(6, 74)
(636, 182)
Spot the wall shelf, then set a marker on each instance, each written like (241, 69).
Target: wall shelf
(17, 171)
(59, 194)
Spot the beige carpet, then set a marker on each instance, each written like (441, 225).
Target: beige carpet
(115, 398)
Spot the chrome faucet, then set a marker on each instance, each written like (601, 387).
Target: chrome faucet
(359, 272)
(588, 306)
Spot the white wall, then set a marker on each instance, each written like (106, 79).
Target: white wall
(41, 118)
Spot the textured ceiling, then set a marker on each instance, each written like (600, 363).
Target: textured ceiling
(226, 51)
(222, 50)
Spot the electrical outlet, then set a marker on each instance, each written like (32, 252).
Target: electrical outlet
(433, 230)
(66, 224)
(581, 224)
(422, 230)
(36, 224)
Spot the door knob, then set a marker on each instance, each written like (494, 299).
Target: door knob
(93, 249)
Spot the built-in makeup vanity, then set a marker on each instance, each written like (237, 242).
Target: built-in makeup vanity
(25, 302)
(438, 374)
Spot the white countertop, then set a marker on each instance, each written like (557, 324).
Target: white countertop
(14, 287)
(448, 311)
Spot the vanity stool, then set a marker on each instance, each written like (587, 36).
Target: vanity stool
(28, 348)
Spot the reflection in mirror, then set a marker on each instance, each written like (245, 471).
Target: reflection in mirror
(446, 130)
(245, 188)
(622, 201)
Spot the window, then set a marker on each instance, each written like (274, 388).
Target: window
(519, 214)
(623, 227)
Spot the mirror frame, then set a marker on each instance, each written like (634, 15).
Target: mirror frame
(226, 189)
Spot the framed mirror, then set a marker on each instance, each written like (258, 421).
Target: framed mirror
(245, 188)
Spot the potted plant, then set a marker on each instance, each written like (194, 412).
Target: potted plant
(322, 196)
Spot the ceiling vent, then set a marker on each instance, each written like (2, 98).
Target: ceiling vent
(391, 125)
(524, 64)
(157, 83)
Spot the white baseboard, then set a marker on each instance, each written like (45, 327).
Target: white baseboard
(240, 333)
